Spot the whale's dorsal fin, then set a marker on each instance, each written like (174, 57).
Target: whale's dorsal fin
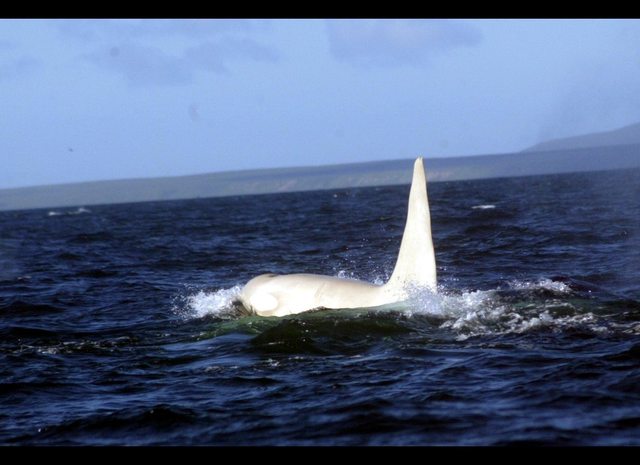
(416, 265)
(280, 295)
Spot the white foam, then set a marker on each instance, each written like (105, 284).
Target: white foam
(483, 312)
(543, 283)
(77, 211)
(465, 314)
(217, 303)
(343, 274)
(483, 207)
(378, 280)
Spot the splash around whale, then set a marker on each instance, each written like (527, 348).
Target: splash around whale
(280, 295)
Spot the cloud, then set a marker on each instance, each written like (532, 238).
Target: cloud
(147, 65)
(143, 65)
(601, 93)
(12, 64)
(7, 45)
(598, 97)
(385, 43)
(167, 52)
(122, 29)
(212, 56)
(16, 67)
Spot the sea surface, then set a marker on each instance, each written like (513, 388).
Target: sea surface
(118, 324)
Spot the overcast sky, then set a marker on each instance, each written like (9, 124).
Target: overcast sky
(104, 99)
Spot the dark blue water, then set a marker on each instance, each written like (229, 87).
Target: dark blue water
(117, 323)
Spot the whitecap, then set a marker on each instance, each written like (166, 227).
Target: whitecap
(465, 313)
(218, 303)
(542, 283)
(484, 312)
(483, 207)
(77, 211)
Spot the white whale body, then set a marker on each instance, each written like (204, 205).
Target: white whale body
(280, 295)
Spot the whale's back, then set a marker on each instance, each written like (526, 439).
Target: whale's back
(279, 295)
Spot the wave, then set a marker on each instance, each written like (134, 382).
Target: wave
(109, 429)
(219, 303)
(77, 211)
(541, 284)
(45, 342)
(519, 306)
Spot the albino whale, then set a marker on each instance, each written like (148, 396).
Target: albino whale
(280, 295)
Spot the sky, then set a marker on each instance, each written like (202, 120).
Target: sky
(84, 100)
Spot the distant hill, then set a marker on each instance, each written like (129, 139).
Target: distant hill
(623, 136)
(376, 173)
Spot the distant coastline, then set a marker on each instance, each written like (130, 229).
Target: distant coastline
(375, 173)
(627, 135)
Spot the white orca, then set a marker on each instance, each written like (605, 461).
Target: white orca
(280, 295)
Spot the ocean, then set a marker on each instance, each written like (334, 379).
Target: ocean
(118, 324)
